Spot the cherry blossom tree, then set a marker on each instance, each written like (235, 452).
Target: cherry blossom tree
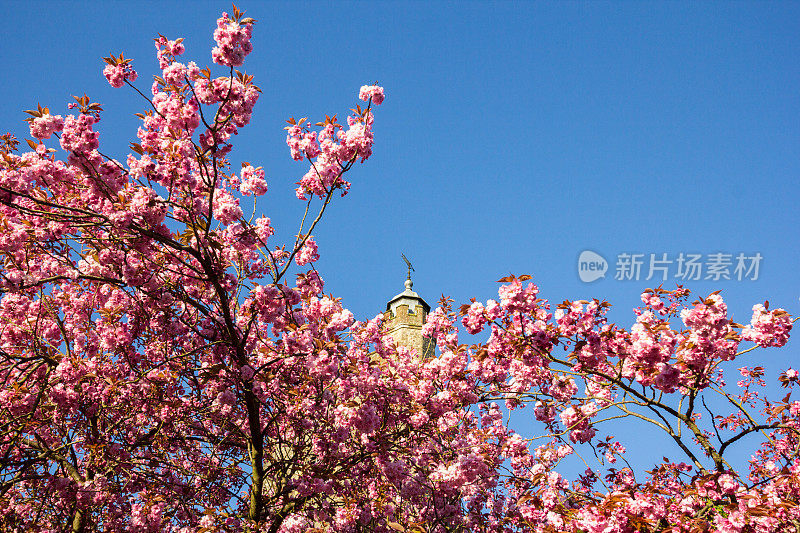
(165, 365)
(580, 373)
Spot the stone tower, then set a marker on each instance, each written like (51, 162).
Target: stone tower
(404, 317)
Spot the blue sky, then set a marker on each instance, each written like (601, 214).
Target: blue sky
(513, 137)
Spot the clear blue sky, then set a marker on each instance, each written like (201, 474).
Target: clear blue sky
(513, 137)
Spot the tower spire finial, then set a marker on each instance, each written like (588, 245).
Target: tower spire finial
(408, 282)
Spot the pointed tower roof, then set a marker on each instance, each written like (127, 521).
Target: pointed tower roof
(409, 298)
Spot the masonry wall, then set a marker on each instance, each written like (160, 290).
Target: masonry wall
(406, 329)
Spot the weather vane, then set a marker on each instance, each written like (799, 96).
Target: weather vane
(408, 264)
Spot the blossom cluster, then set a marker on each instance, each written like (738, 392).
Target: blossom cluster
(768, 328)
(46, 125)
(168, 50)
(332, 150)
(233, 41)
(118, 74)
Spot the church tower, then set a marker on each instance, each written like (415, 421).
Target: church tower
(405, 315)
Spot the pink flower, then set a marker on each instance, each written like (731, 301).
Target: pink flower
(117, 74)
(174, 74)
(728, 484)
(308, 253)
(563, 387)
(263, 228)
(226, 207)
(474, 319)
(233, 41)
(43, 127)
(768, 328)
(253, 181)
(371, 91)
(78, 136)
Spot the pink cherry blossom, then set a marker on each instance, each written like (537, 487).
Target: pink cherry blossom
(768, 328)
(44, 126)
(233, 41)
(308, 253)
(374, 92)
